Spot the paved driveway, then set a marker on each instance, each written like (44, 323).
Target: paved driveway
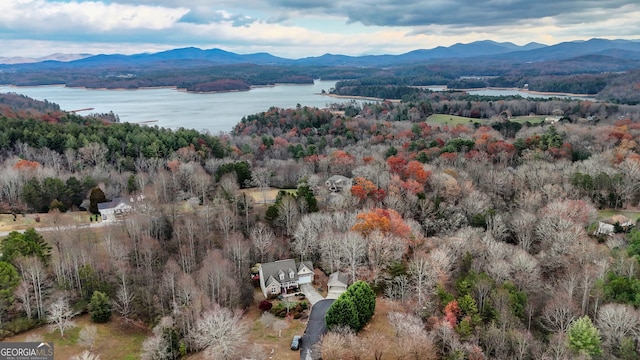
(316, 327)
(312, 295)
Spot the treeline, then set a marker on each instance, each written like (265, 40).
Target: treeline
(118, 143)
(191, 78)
(613, 87)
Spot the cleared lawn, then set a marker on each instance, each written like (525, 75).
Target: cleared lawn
(48, 219)
(268, 196)
(115, 340)
(536, 119)
(631, 214)
(451, 119)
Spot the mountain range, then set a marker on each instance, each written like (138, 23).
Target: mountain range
(488, 50)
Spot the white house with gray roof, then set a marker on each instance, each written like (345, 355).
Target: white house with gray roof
(283, 275)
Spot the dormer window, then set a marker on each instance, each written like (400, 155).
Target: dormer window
(281, 276)
(291, 274)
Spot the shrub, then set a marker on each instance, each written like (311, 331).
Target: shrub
(265, 305)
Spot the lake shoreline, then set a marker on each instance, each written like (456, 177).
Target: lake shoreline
(444, 88)
(176, 88)
(183, 90)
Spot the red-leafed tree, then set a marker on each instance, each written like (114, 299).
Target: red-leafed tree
(452, 312)
(396, 164)
(363, 189)
(415, 170)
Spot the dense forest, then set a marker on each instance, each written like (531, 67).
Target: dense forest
(483, 232)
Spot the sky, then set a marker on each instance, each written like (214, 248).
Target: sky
(301, 28)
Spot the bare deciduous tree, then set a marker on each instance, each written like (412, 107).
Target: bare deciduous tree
(617, 321)
(124, 297)
(262, 238)
(261, 177)
(60, 315)
(86, 355)
(87, 336)
(521, 342)
(558, 314)
(34, 273)
(156, 346)
(23, 293)
(280, 325)
(423, 278)
(332, 345)
(288, 213)
(383, 250)
(523, 225)
(352, 250)
(220, 332)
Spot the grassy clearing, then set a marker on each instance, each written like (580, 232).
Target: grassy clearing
(445, 119)
(535, 119)
(48, 219)
(631, 214)
(267, 196)
(115, 340)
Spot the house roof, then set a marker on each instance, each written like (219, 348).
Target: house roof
(111, 204)
(307, 264)
(338, 279)
(270, 281)
(274, 269)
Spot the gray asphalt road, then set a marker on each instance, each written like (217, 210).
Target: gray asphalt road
(316, 327)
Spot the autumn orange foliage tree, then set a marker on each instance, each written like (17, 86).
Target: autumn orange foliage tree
(384, 220)
(452, 312)
(23, 164)
(363, 189)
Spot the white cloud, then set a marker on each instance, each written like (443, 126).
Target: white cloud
(93, 16)
(288, 28)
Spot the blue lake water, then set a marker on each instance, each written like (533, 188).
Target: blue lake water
(213, 112)
(170, 108)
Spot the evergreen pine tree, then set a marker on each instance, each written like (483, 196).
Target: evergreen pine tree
(100, 307)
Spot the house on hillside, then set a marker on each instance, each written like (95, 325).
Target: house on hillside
(338, 183)
(608, 225)
(117, 208)
(283, 275)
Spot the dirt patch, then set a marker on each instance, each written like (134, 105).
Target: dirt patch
(26, 221)
(267, 196)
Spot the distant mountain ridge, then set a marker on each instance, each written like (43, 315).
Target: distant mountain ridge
(53, 57)
(487, 49)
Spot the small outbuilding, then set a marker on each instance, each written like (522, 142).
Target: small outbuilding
(337, 284)
(608, 225)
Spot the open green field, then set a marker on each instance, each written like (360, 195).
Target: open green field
(535, 119)
(631, 214)
(457, 120)
(451, 119)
